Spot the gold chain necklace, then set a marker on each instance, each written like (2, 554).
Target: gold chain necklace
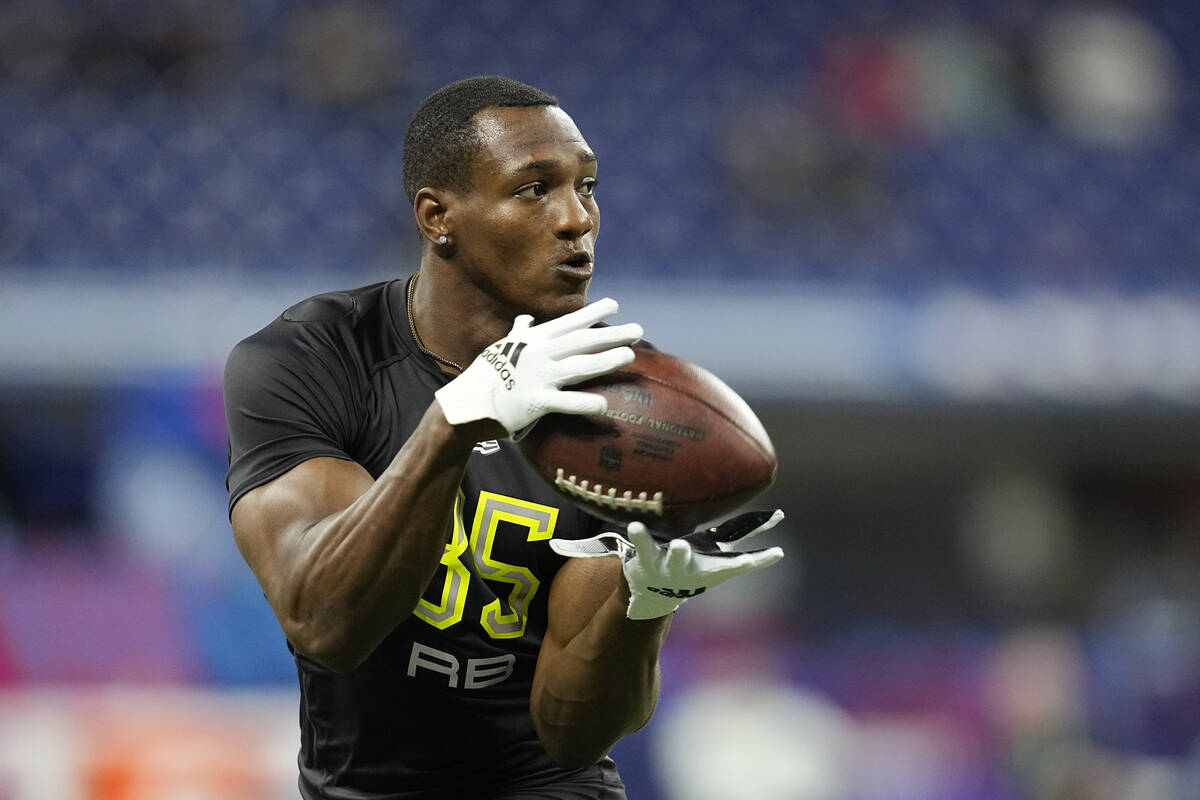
(412, 326)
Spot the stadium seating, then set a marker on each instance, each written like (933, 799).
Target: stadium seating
(253, 176)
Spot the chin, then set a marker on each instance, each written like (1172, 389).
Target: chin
(561, 304)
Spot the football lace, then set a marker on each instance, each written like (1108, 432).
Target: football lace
(611, 497)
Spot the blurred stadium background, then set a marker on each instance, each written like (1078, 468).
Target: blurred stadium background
(949, 251)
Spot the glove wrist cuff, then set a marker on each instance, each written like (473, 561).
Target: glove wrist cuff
(646, 606)
(461, 403)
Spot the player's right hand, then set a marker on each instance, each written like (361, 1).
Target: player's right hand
(518, 379)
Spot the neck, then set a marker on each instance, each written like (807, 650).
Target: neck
(453, 317)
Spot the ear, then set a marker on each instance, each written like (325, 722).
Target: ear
(430, 211)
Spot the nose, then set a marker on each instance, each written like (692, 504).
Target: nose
(576, 217)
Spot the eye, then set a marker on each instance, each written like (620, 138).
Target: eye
(536, 189)
(587, 187)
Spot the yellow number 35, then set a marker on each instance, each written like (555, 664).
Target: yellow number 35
(490, 511)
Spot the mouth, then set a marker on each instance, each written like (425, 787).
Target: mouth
(578, 264)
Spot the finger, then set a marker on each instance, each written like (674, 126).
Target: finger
(574, 403)
(748, 562)
(639, 534)
(775, 519)
(584, 317)
(520, 324)
(575, 369)
(764, 558)
(647, 548)
(721, 568)
(679, 553)
(594, 340)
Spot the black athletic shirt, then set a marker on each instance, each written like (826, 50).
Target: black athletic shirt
(441, 708)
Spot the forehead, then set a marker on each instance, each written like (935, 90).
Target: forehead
(513, 137)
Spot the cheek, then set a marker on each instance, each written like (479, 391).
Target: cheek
(488, 224)
(498, 242)
(507, 238)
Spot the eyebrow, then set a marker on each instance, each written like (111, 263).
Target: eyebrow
(585, 157)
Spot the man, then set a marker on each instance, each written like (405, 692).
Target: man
(445, 648)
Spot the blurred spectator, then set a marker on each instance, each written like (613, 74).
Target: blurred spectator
(1107, 76)
(787, 166)
(1035, 691)
(887, 146)
(345, 53)
(1147, 640)
(920, 81)
(1019, 545)
(741, 737)
(185, 44)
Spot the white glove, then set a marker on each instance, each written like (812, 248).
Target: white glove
(662, 575)
(517, 380)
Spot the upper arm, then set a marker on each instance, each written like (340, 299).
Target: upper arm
(290, 396)
(288, 401)
(270, 521)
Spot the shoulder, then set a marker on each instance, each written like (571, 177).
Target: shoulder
(330, 307)
(336, 324)
(353, 310)
(318, 354)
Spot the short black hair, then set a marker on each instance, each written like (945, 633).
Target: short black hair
(441, 139)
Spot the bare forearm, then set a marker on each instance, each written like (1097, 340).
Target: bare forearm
(357, 573)
(600, 686)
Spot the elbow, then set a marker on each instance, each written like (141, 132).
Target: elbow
(571, 746)
(335, 660)
(577, 734)
(573, 755)
(582, 745)
(335, 650)
(340, 641)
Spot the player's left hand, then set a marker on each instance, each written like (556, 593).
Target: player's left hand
(663, 574)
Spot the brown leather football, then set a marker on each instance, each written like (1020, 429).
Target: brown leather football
(677, 447)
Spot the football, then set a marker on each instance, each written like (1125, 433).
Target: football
(677, 447)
